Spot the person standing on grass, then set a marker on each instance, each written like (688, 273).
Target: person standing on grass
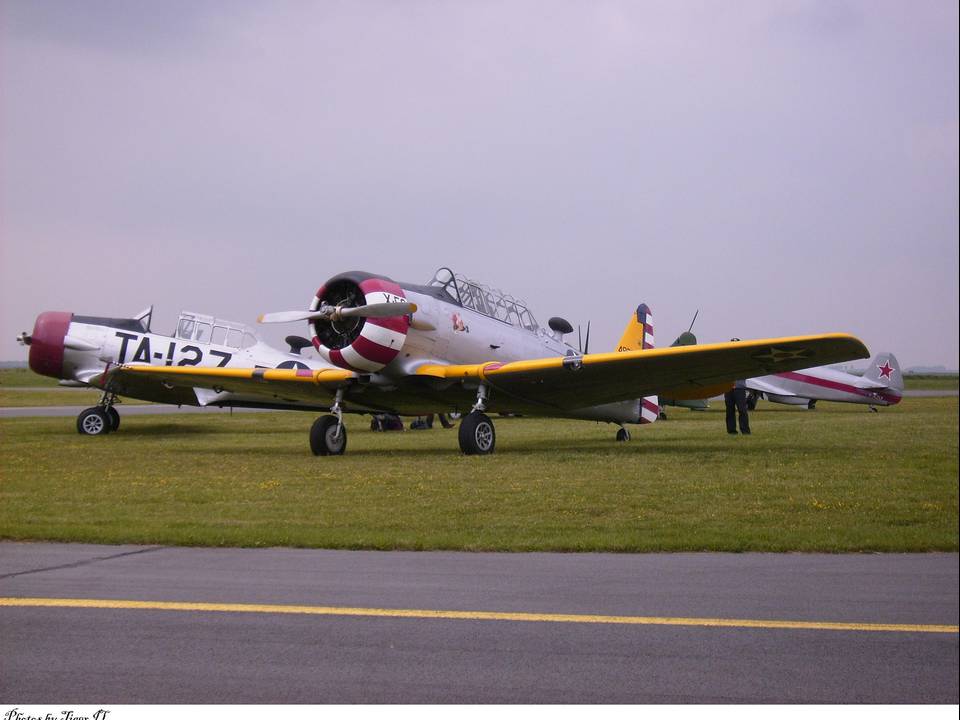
(736, 402)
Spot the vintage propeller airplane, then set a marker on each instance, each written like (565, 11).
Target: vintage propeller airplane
(79, 349)
(452, 345)
(881, 384)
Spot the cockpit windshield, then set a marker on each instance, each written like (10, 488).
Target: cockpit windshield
(208, 329)
(484, 299)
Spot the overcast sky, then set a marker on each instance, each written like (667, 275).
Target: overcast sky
(784, 167)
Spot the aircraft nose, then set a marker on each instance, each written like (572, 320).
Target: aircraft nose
(46, 343)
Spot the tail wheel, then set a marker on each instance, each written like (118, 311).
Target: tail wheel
(477, 435)
(94, 421)
(328, 436)
(623, 435)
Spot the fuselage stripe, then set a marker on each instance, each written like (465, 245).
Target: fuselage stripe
(887, 394)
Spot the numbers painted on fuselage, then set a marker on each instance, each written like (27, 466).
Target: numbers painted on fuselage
(185, 354)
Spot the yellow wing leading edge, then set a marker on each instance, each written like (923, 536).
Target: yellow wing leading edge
(558, 383)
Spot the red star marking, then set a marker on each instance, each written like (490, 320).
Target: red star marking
(885, 370)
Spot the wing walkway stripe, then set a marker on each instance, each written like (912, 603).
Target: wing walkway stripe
(468, 615)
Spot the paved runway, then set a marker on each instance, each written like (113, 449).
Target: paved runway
(619, 647)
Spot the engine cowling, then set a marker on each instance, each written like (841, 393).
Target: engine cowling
(46, 343)
(359, 344)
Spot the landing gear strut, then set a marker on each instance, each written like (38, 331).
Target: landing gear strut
(477, 435)
(328, 436)
(101, 419)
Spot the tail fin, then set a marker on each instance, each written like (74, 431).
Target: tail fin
(885, 369)
(638, 334)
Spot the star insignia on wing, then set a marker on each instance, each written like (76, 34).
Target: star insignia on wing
(777, 355)
(886, 370)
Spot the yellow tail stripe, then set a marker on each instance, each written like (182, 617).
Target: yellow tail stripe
(468, 615)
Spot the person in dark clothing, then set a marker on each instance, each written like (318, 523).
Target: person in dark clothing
(736, 401)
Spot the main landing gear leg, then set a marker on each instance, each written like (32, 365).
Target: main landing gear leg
(477, 435)
(101, 419)
(328, 436)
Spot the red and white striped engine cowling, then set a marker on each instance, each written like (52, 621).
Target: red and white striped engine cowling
(380, 339)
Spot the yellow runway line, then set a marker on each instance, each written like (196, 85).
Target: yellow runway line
(468, 615)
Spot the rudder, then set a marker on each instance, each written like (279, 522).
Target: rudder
(885, 369)
(638, 335)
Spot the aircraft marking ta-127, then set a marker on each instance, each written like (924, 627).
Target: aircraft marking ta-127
(451, 345)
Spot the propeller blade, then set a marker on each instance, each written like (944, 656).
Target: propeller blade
(291, 316)
(376, 310)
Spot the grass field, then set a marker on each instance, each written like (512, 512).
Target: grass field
(835, 479)
(931, 382)
(42, 397)
(22, 377)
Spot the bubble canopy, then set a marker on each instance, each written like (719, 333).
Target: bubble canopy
(484, 299)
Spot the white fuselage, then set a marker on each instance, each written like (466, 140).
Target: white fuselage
(821, 383)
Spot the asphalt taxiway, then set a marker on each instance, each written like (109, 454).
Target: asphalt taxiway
(131, 624)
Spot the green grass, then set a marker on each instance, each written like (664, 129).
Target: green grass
(835, 479)
(41, 397)
(931, 382)
(22, 377)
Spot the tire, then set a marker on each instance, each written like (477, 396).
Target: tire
(324, 439)
(752, 399)
(623, 435)
(114, 418)
(477, 434)
(93, 421)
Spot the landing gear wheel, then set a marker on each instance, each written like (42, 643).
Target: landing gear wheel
(812, 405)
(114, 418)
(94, 421)
(477, 436)
(752, 401)
(327, 436)
(623, 435)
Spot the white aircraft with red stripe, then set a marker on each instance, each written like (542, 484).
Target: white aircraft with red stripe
(880, 384)
(79, 349)
(450, 345)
